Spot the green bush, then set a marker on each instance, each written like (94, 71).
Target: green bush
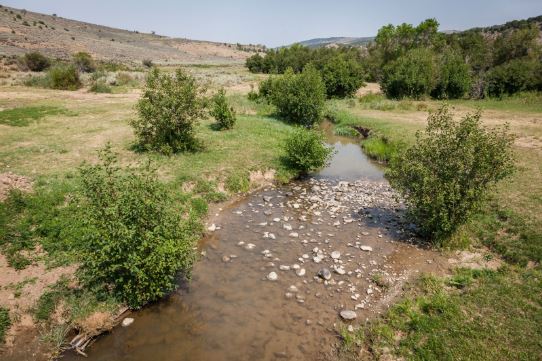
(36, 61)
(147, 63)
(306, 150)
(299, 98)
(100, 86)
(63, 77)
(515, 76)
(222, 112)
(413, 75)
(136, 242)
(446, 174)
(453, 80)
(5, 323)
(83, 62)
(342, 77)
(169, 109)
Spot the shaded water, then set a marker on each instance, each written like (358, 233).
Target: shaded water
(231, 311)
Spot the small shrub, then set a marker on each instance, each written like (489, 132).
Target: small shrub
(64, 77)
(5, 323)
(84, 62)
(36, 61)
(222, 112)
(136, 242)
(100, 86)
(306, 150)
(446, 174)
(147, 63)
(299, 98)
(169, 109)
(238, 182)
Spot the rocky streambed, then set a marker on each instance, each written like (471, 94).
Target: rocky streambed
(280, 271)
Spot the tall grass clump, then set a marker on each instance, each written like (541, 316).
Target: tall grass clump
(136, 241)
(446, 174)
(169, 110)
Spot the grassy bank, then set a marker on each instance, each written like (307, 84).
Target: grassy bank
(45, 135)
(474, 315)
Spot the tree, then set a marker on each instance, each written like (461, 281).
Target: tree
(413, 75)
(169, 109)
(445, 175)
(36, 61)
(342, 77)
(453, 79)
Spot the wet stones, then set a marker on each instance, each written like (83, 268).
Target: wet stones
(127, 321)
(324, 274)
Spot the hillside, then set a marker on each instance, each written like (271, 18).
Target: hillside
(22, 31)
(319, 42)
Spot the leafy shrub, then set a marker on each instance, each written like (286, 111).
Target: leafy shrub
(300, 98)
(453, 79)
(136, 242)
(169, 109)
(411, 75)
(446, 174)
(5, 323)
(306, 150)
(84, 62)
(238, 182)
(342, 77)
(222, 112)
(515, 76)
(147, 63)
(63, 77)
(36, 61)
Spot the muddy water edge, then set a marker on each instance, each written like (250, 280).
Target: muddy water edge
(278, 270)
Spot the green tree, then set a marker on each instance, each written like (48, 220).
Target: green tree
(413, 75)
(453, 79)
(445, 175)
(342, 77)
(169, 110)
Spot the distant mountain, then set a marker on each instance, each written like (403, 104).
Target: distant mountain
(334, 41)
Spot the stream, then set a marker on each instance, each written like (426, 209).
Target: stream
(278, 270)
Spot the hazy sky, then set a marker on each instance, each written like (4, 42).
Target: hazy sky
(280, 22)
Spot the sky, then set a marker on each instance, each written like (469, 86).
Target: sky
(280, 22)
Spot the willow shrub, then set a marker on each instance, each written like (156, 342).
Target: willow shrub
(306, 150)
(136, 241)
(169, 110)
(445, 175)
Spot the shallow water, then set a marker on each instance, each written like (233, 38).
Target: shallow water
(231, 311)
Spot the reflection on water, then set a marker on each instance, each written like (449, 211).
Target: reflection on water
(348, 162)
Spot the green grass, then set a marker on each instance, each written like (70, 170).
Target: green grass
(5, 323)
(23, 116)
(379, 148)
(486, 315)
(522, 102)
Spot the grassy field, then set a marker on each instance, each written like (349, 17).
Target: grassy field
(472, 315)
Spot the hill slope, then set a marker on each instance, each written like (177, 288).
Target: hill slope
(22, 31)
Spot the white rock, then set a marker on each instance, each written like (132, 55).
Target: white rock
(348, 315)
(284, 267)
(212, 228)
(300, 272)
(366, 248)
(127, 321)
(272, 276)
(335, 254)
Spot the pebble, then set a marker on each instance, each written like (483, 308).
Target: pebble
(366, 248)
(335, 254)
(300, 272)
(212, 228)
(272, 276)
